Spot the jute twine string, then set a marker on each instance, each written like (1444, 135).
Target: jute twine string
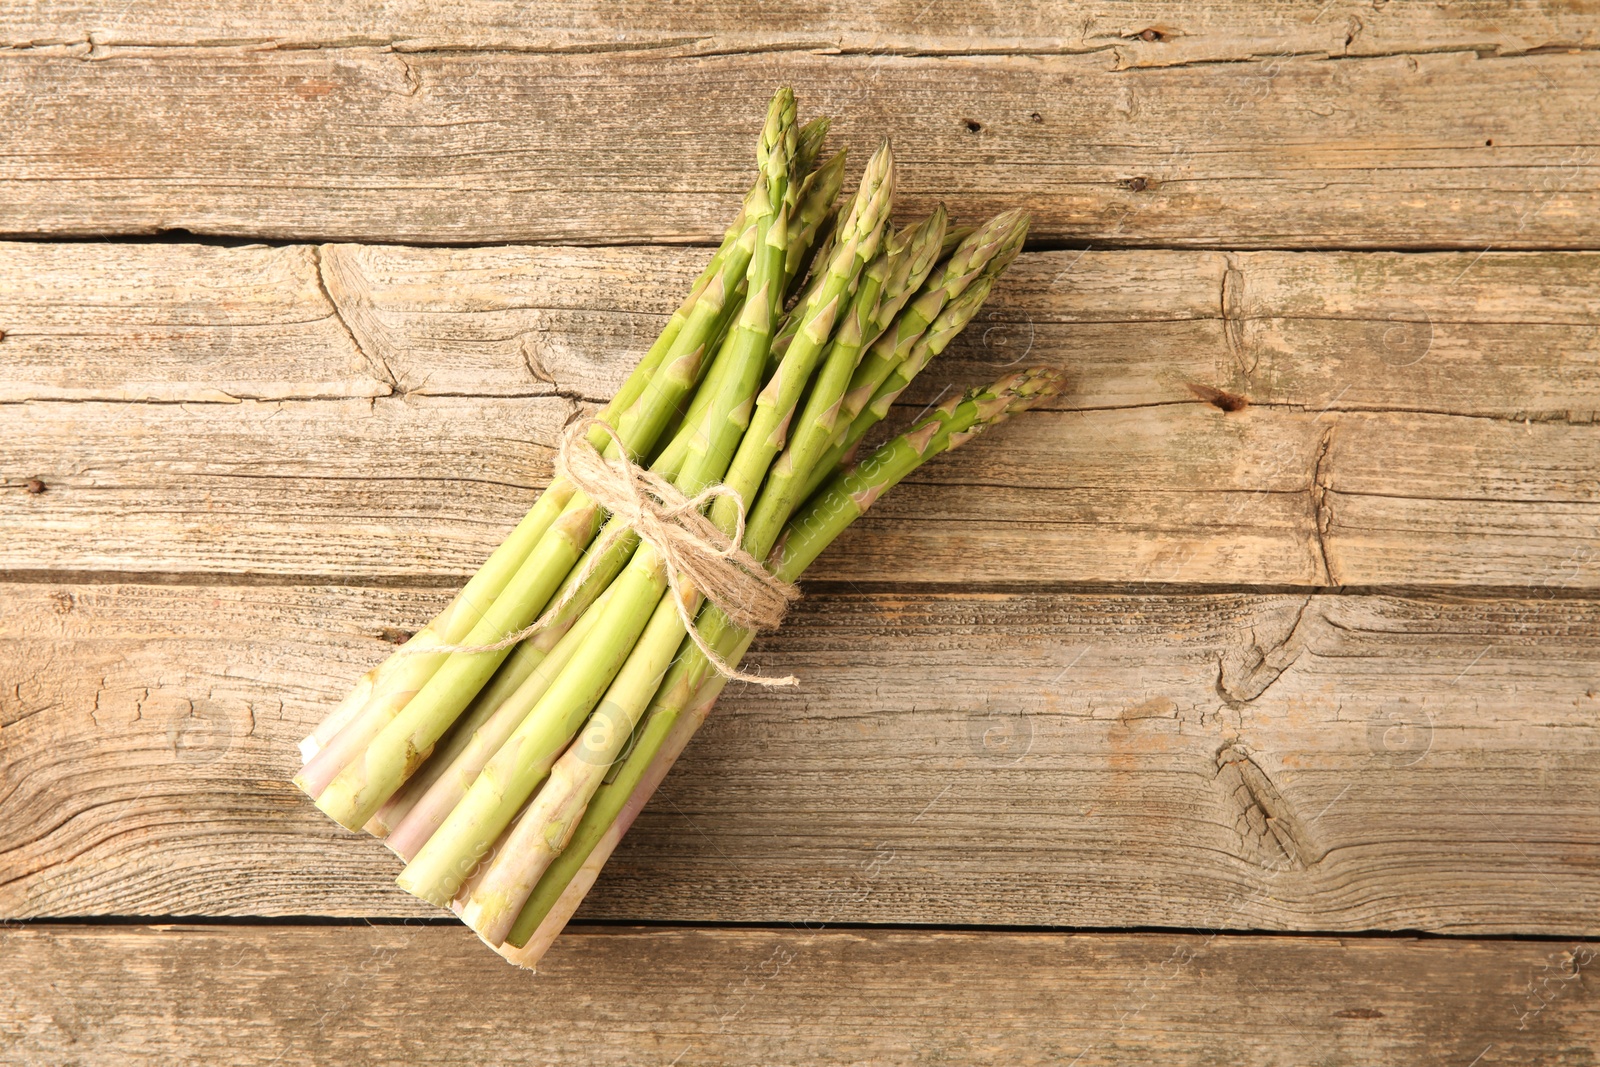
(700, 560)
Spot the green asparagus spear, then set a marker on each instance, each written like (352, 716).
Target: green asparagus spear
(363, 784)
(888, 283)
(380, 694)
(496, 897)
(985, 252)
(814, 205)
(814, 200)
(855, 247)
(450, 855)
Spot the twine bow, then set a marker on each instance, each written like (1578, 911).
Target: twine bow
(700, 560)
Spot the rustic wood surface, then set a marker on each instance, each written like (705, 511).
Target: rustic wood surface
(248, 995)
(1416, 150)
(1498, 335)
(1422, 420)
(1154, 33)
(1261, 761)
(1283, 618)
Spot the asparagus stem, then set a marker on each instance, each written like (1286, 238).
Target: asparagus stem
(510, 777)
(383, 690)
(885, 287)
(337, 719)
(953, 237)
(809, 197)
(814, 205)
(494, 905)
(557, 899)
(822, 519)
(387, 688)
(457, 770)
(368, 780)
(712, 447)
(815, 199)
(944, 329)
(436, 871)
(857, 245)
(541, 831)
(985, 252)
(598, 574)
(804, 279)
(524, 659)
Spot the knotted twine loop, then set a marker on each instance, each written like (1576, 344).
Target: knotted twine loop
(700, 560)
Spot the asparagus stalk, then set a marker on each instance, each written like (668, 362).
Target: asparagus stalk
(493, 906)
(985, 252)
(524, 659)
(542, 829)
(953, 238)
(814, 203)
(542, 755)
(672, 744)
(808, 141)
(817, 524)
(368, 780)
(888, 283)
(855, 247)
(383, 690)
(457, 769)
(451, 854)
(944, 329)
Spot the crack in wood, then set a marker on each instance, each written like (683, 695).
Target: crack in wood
(1321, 509)
(876, 41)
(1272, 835)
(1230, 306)
(344, 278)
(413, 84)
(1243, 676)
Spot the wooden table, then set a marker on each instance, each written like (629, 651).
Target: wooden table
(1242, 707)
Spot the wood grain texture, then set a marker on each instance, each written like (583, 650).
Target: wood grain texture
(255, 995)
(1507, 335)
(1064, 679)
(1142, 34)
(1092, 760)
(1412, 419)
(1435, 149)
(427, 486)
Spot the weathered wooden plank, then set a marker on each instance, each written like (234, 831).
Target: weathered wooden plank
(1502, 334)
(1179, 490)
(184, 322)
(423, 486)
(173, 322)
(1424, 150)
(260, 995)
(1145, 34)
(1093, 760)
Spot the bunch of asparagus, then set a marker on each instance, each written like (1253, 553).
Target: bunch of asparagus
(505, 778)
